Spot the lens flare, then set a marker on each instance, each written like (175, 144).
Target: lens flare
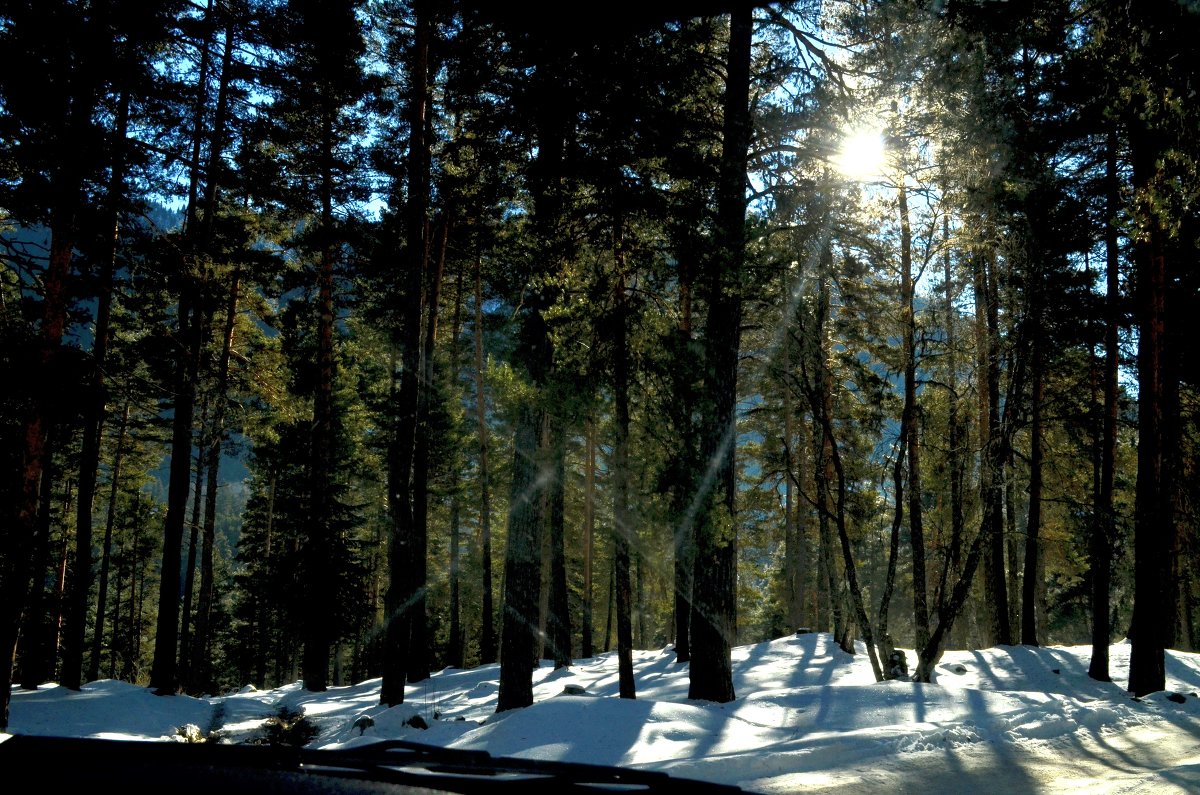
(862, 154)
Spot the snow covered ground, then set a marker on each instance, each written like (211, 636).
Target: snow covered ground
(807, 717)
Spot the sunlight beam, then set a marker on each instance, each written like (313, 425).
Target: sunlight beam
(862, 154)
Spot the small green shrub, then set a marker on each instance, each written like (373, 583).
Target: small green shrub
(289, 727)
(191, 733)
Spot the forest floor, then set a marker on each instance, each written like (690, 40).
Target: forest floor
(807, 717)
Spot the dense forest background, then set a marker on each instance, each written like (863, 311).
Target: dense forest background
(356, 339)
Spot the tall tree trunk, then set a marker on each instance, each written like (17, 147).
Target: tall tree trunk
(795, 555)
(856, 594)
(196, 666)
(1104, 518)
(540, 643)
(683, 494)
(64, 557)
(558, 618)
(992, 459)
(320, 548)
(714, 606)
(115, 646)
(820, 399)
(639, 605)
(525, 524)
(1153, 525)
(38, 644)
(911, 430)
(17, 536)
(1029, 589)
(610, 609)
(589, 534)
(137, 603)
(400, 600)
(418, 656)
(886, 643)
(521, 564)
(795, 549)
(834, 619)
(201, 662)
(106, 550)
(623, 530)
(454, 650)
(89, 457)
(189, 569)
(995, 443)
(1012, 546)
(956, 438)
(487, 633)
(163, 672)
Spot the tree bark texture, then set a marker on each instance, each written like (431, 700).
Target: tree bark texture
(714, 604)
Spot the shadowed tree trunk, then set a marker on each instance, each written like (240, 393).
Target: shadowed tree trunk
(911, 430)
(683, 494)
(89, 456)
(106, 550)
(521, 559)
(419, 643)
(795, 551)
(714, 604)
(401, 596)
(991, 477)
(558, 618)
(487, 633)
(190, 330)
(956, 442)
(76, 100)
(39, 635)
(623, 530)
(320, 540)
(201, 663)
(189, 567)
(1104, 519)
(163, 672)
(1029, 590)
(534, 350)
(1153, 525)
(589, 534)
(199, 673)
(819, 398)
(454, 649)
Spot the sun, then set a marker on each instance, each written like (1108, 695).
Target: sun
(862, 154)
